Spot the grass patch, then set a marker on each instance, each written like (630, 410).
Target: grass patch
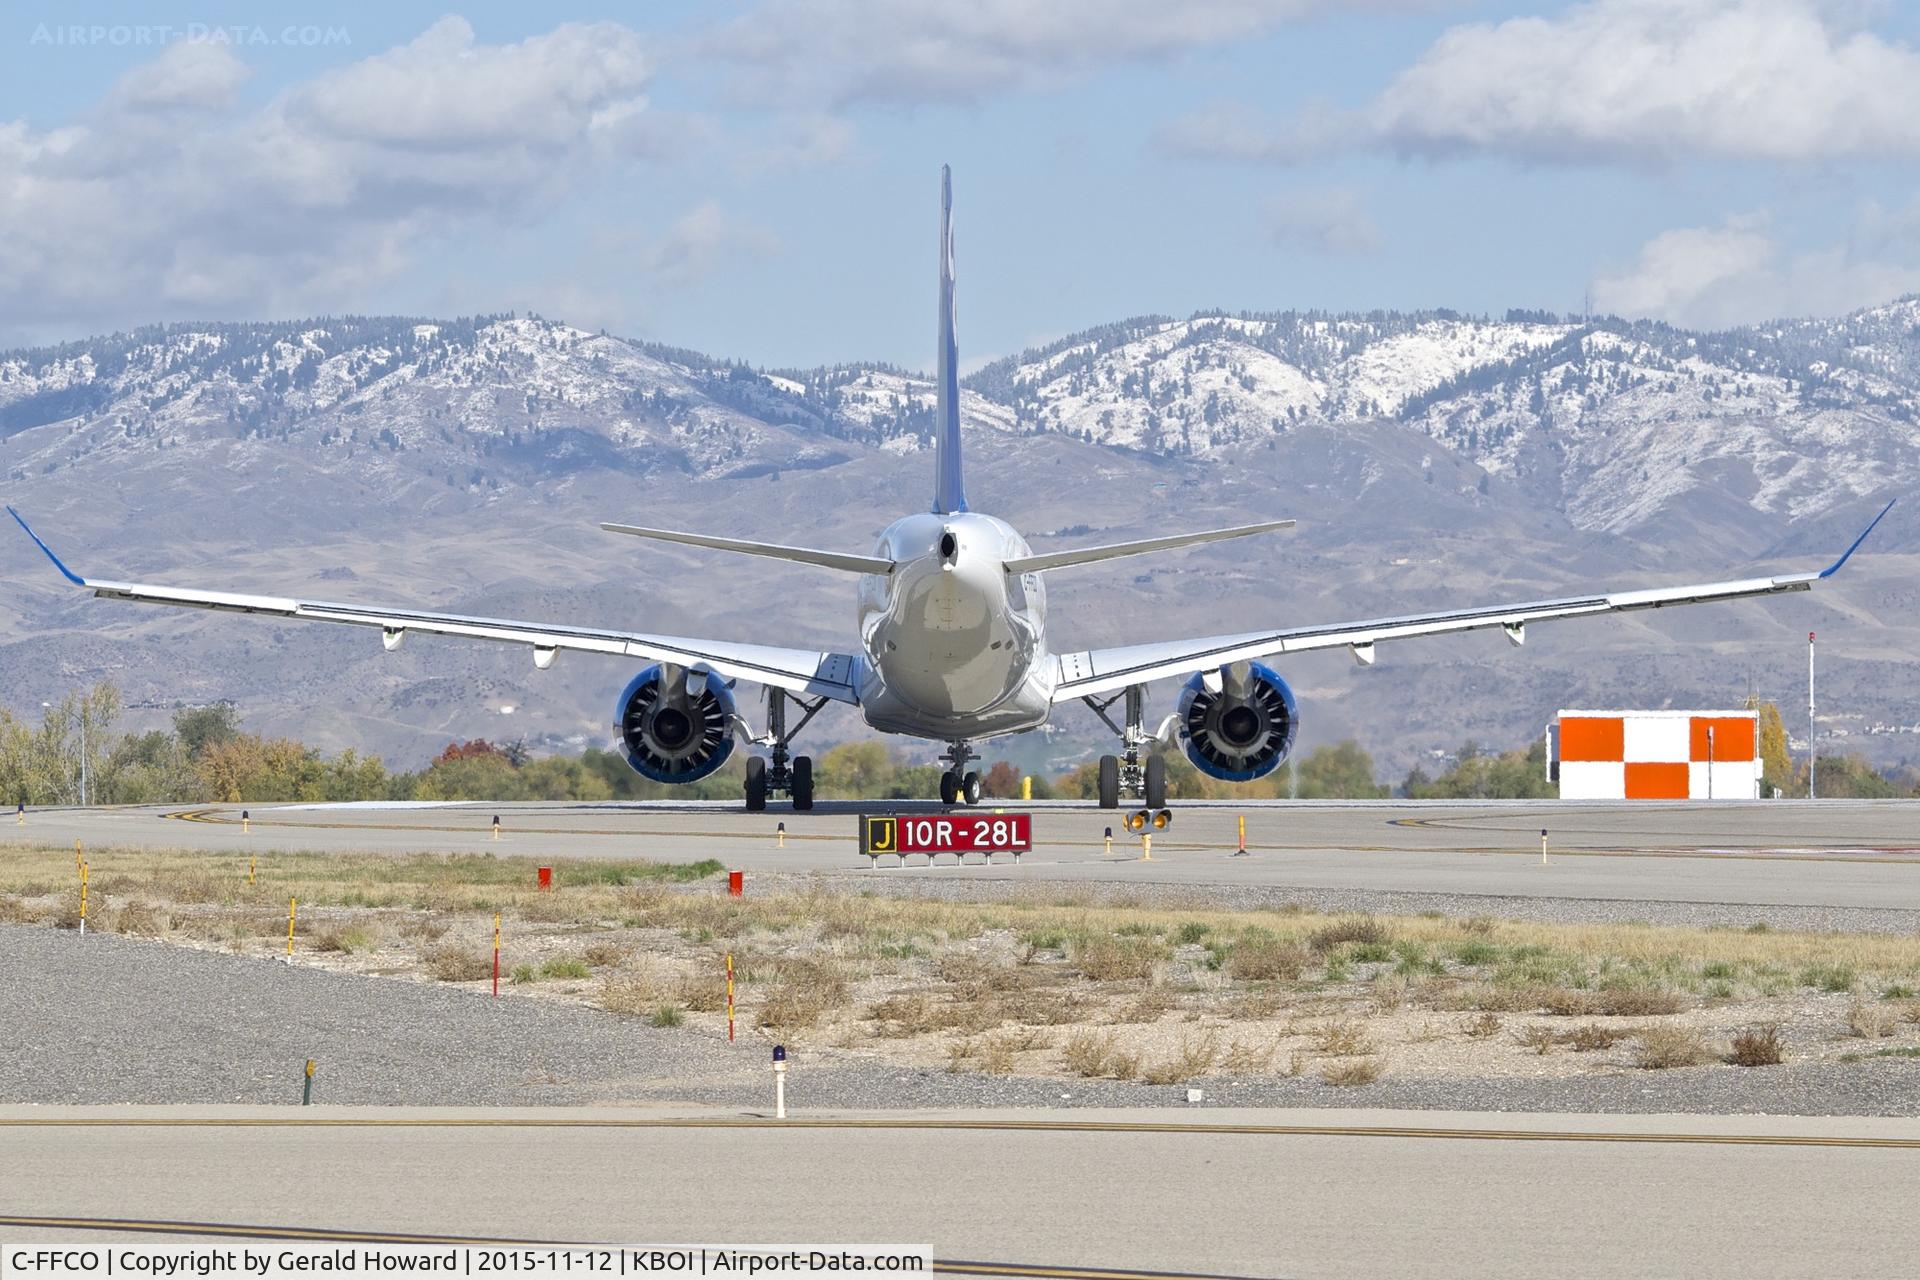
(565, 967)
(1834, 979)
(1115, 959)
(666, 1016)
(1663, 1048)
(457, 964)
(1353, 1071)
(1361, 929)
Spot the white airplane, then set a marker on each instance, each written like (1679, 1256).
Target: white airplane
(953, 644)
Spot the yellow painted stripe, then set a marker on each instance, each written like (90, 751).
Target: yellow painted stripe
(964, 1125)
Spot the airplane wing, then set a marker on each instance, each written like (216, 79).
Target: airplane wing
(801, 671)
(1099, 671)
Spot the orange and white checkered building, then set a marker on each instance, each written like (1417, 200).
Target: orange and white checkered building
(1656, 755)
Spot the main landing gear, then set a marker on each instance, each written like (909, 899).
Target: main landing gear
(959, 783)
(1129, 772)
(788, 775)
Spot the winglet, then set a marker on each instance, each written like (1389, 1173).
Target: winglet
(71, 576)
(1827, 572)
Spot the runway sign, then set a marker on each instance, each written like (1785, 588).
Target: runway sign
(882, 834)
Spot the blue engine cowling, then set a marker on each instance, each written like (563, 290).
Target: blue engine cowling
(1241, 731)
(674, 734)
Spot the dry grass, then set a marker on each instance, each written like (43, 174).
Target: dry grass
(1353, 1071)
(1757, 1047)
(1661, 1048)
(1117, 959)
(1872, 1021)
(1098, 1053)
(139, 919)
(1593, 1037)
(1484, 1027)
(457, 964)
(1345, 1038)
(1195, 1057)
(804, 992)
(1539, 1039)
(1262, 957)
(1336, 934)
(1245, 1057)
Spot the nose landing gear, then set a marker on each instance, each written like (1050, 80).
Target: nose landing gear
(959, 783)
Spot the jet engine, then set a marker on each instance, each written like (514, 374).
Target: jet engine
(1238, 722)
(675, 724)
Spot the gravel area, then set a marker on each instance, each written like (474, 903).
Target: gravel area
(994, 884)
(104, 1019)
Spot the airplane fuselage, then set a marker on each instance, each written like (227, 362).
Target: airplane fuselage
(955, 645)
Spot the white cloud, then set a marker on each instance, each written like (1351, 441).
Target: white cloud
(1644, 81)
(1738, 273)
(166, 199)
(701, 240)
(1330, 220)
(913, 51)
(190, 74)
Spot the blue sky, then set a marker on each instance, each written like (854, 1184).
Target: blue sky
(759, 179)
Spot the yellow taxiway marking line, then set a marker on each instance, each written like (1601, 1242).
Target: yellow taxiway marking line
(959, 1125)
(140, 1226)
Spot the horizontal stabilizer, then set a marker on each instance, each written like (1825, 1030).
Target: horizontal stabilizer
(1113, 551)
(800, 555)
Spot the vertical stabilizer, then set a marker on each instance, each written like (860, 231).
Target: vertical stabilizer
(949, 489)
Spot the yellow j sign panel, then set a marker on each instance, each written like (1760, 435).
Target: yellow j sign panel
(882, 835)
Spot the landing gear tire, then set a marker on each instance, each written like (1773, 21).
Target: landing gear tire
(800, 786)
(1156, 787)
(949, 788)
(970, 788)
(1109, 782)
(756, 784)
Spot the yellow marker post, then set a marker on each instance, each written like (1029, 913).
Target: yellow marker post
(1146, 846)
(496, 826)
(291, 905)
(1026, 787)
(306, 1090)
(1243, 833)
(20, 814)
(1109, 839)
(251, 860)
(1543, 846)
(780, 834)
(246, 823)
(83, 897)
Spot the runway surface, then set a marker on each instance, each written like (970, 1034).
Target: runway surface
(1245, 1194)
(1835, 854)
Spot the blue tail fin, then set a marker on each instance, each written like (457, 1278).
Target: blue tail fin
(949, 489)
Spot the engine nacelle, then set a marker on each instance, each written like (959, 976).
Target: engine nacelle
(675, 724)
(1238, 723)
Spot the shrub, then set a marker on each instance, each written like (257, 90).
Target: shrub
(1195, 1058)
(1758, 1047)
(604, 955)
(1261, 957)
(1362, 929)
(1636, 1002)
(1191, 932)
(457, 964)
(1353, 1071)
(1110, 959)
(565, 967)
(1539, 1039)
(804, 991)
(1342, 1039)
(348, 939)
(1088, 1053)
(138, 919)
(1593, 1036)
(1664, 1047)
(666, 1016)
(1871, 1021)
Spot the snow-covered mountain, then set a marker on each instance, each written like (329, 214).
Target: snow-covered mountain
(461, 463)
